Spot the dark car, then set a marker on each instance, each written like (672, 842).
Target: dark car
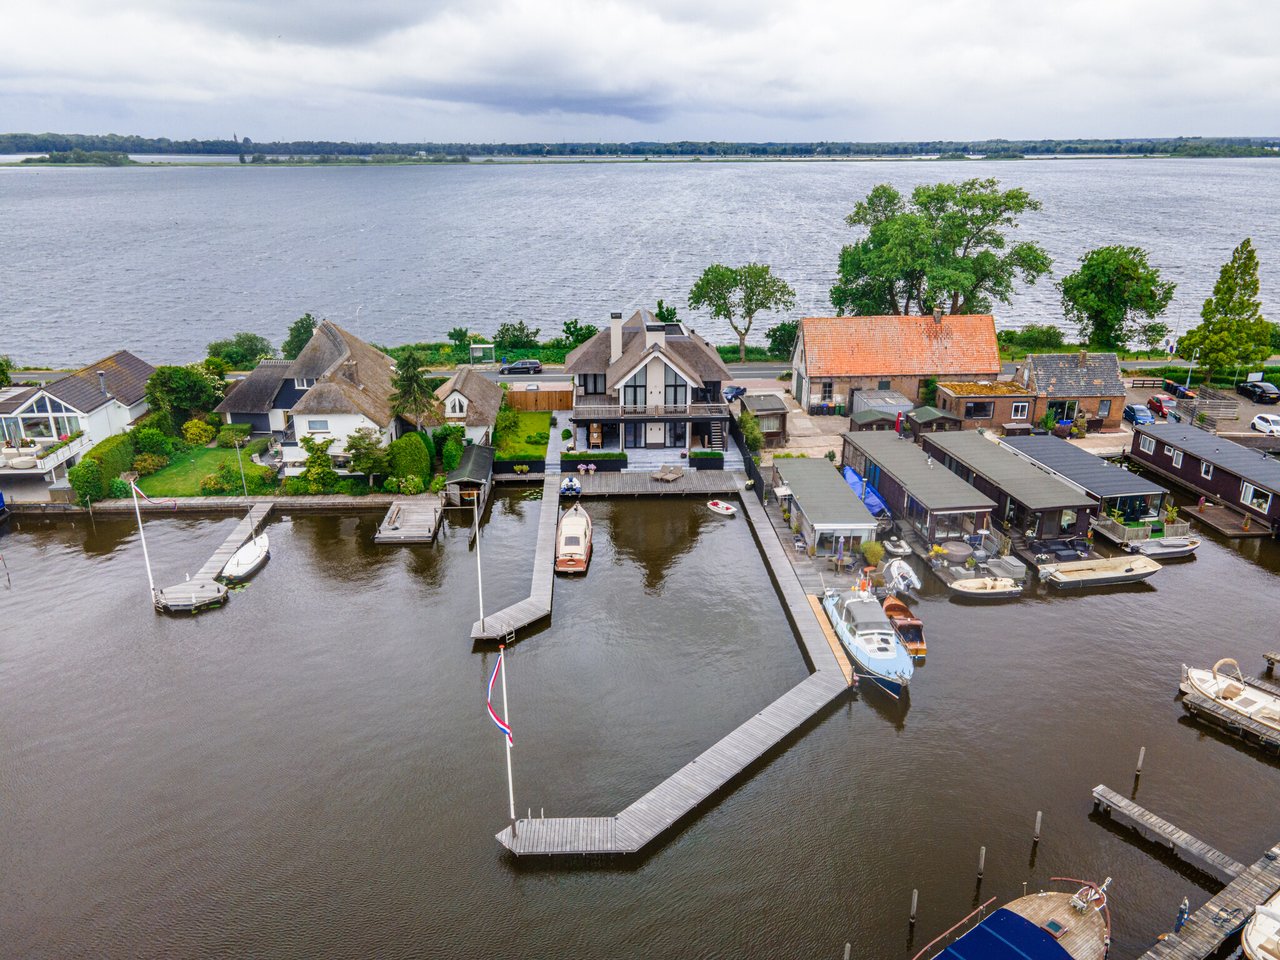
(731, 394)
(1137, 414)
(1259, 391)
(522, 366)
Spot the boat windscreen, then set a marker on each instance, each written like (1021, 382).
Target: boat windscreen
(573, 541)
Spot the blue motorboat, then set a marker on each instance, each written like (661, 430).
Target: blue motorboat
(865, 631)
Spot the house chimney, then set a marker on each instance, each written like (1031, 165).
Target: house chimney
(1083, 359)
(615, 336)
(937, 314)
(351, 371)
(102, 383)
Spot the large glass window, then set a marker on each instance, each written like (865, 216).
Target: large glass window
(677, 433)
(677, 391)
(979, 409)
(633, 391)
(592, 384)
(1260, 500)
(827, 391)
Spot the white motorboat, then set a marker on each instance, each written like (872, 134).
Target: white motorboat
(722, 508)
(1234, 693)
(897, 547)
(570, 487)
(573, 541)
(246, 561)
(986, 588)
(1261, 934)
(1102, 572)
(1165, 548)
(900, 578)
(867, 634)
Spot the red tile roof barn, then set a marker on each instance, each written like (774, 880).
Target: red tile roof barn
(899, 346)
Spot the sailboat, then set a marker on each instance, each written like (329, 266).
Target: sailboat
(246, 561)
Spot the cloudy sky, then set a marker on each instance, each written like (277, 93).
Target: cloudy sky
(519, 70)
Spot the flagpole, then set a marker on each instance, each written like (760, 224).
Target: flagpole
(475, 505)
(506, 715)
(143, 537)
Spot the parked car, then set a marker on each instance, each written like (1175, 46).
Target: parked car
(1259, 391)
(1179, 391)
(1267, 423)
(522, 366)
(731, 394)
(1163, 405)
(1137, 414)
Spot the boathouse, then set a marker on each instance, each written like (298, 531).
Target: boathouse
(471, 480)
(918, 490)
(770, 411)
(1127, 501)
(824, 509)
(1028, 500)
(1244, 480)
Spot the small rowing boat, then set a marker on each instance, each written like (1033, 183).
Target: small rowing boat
(897, 547)
(1100, 572)
(246, 561)
(986, 588)
(573, 541)
(722, 508)
(907, 626)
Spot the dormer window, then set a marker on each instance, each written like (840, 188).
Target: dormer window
(304, 383)
(457, 406)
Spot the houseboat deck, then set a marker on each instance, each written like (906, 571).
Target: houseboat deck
(642, 484)
(203, 590)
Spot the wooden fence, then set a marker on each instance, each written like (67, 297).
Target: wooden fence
(543, 399)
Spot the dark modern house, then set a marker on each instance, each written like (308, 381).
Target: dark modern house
(918, 490)
(1244, 480)
(1028, 501)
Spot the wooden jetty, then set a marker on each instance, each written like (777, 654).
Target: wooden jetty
(714, 769)
(505, 622)
(203, 590)
(641, 484)
(1232, 723)
(411, 520)
(1199, 854)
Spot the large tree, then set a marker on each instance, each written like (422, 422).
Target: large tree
(737, 294)
(412, 396)
(368, 455)
(945, 248)
(1232, 329)
(1113, 294)
(6, 371)
(183, 391)
(242, 351)
(300, 332)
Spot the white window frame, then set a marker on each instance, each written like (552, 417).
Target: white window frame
(304, 383)
(1024, 407)
(1104, 408)
(1147, 444)
(1206, 469)
(1177, 458)
(827, 392)
(457, 406)
(1248, 491)
(312, 428)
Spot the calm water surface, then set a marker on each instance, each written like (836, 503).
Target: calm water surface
(163, 260)
(310, 772)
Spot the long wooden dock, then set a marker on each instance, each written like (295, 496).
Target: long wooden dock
(714, 769)
(641, 484)
(1235, 724)
(411, 520)
(203, 590)
(531, 609)
(1196, 852)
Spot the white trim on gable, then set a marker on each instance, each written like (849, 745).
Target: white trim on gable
(661, 355)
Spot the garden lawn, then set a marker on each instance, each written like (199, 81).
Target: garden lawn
(514, 446)
(181, 478)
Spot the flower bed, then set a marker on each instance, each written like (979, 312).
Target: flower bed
(610, 462)
(508, 467)
(706, 459)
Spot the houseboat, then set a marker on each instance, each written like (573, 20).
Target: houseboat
(1244, 480)
(1049, 925)
(1135, 513)
(823, 509)
(573, 541)
(868, 635)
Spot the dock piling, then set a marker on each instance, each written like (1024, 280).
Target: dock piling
(848, 950)
(1036, 836)
(1142, 755)
(915, 899)
(982, 860)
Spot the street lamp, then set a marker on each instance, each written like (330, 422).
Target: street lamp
(1194, 355)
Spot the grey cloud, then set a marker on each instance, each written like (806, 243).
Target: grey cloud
(334, 23)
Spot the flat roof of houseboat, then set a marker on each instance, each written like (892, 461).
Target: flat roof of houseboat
(1023, 481)
(934, 487)
(1099, 477)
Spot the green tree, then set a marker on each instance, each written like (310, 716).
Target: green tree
(1152, 335)
(1232, 329)
(300, 331)
(1113, 287)
(412, 396)
(181, 391)
(460, 337)
(576, 332)
(945, 248)
(782, 338)
(752, 435)
(516, 336)
(410, 457)
(368, 455)
(242, 351)
(318, 475)
(6, 370)
(666, 312)
(736, 295)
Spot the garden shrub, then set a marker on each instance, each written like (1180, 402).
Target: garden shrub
(213, 419)
(294, 487)
(198, 433)
(257, 447)
(427, 442)
(354, 488)
(86, 480)
(408, 457)
(451, 455)
(146, 464)
(226, 480)
(438, 483)
(160, 420)
(566, 433)
(507, 420)
(412, 486)
(114, 455)
(233, 433)
(752, 435)
(872, 551)
(117, 489)
(150, 440)
(453, 431)
(538, 439)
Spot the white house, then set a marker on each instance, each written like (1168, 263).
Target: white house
(471, 400)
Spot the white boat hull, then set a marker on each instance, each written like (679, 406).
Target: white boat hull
(247, 561)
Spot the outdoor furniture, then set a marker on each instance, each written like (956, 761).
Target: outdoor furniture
(595, 436)
(23, 463)
(957, 551)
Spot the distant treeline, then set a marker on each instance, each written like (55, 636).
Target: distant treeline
(950, 149)
(99, 158)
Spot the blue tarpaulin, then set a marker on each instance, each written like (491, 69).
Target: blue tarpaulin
(866, 493)
(1005, 936)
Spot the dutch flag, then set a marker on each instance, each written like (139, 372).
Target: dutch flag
(493, 714)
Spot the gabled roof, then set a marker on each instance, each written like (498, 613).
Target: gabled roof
(635, 355)
(899, 346)
(484, 397)
(256, 393)
(11, 398)
(476, 465)
(126, 380)
(357, 379)
(1073, 375)
(930, 414)
(873, 415)
(687, 351)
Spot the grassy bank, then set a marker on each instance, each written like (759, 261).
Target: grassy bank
(183, 475)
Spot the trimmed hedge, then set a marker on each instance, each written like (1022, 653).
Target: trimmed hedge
(706, 454)
(609, 462)
(86, 480)
(451, 455)
(408, 457)
(501, 467)
(232, 433)
(114, 455)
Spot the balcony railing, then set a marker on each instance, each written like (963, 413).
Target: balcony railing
(63, 454)
(615, 411)
(1123, 533)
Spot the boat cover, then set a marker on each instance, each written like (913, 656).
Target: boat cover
(1005, 936)
(866, 493)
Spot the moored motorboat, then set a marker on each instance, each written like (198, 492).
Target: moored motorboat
(1165, 548)
(1100, 572)
(866, 633)
(570, 487)
(1049, 925)
(722, 508)
(573, 541)
(246, 561)
(900, 578)
(1261, 934)
(1234, 693)
(907, 626)
(986, 588)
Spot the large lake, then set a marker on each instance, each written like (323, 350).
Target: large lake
(164, 259)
